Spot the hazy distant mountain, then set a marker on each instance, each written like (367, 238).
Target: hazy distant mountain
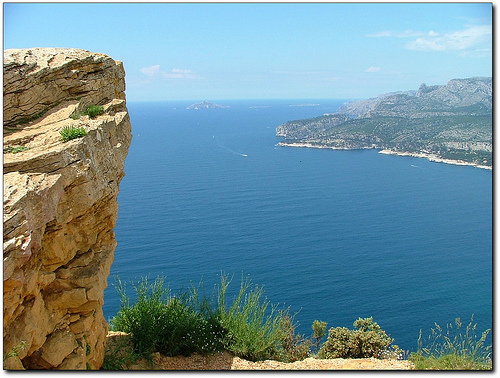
(356, 109)
(206, 105)
(452, 121)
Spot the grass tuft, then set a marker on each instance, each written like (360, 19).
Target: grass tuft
(71, 132)
(92, 111)
(15, 150)
(453, 348)
(253, 325)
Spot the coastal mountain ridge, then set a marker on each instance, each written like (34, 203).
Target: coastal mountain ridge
(451, 123)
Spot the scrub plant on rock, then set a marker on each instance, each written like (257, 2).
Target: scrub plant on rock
(368, 340)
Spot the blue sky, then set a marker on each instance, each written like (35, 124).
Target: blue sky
(186, 51)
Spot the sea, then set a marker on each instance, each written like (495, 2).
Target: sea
(332, 235)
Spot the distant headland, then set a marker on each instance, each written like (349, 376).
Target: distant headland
(449, 123)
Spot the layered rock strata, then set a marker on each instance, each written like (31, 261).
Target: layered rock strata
(60, 204)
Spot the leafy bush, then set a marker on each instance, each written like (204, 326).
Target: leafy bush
(452, 349)
(158, 322)
(193, 322)
(253, 329)
(71, 132)
(293, 347)
(142, 319)
(94, 110)
(182, 331)
(319, 331)
(368, 340)
(119, 354)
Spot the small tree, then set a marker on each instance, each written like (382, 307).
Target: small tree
(294, 347)
(319, 329)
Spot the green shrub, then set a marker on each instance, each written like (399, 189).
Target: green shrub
(192, 322)
(142, 319)
(94, 110)
(368, 340)
(293, 347)
(159, 322)
(253, 328)
(319, 331)
(119, 355)
(15, 150)
(453, 349)
(71, 132)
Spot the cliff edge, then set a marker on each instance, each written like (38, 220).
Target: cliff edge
(60, 204)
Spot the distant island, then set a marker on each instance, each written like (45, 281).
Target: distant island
(206, 105)
(300, 105)
(450, 123)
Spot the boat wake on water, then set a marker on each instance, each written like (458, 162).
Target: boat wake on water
(231, 151)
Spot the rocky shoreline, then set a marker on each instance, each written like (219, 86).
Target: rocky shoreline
(430, 157)
(322, 146)
(434, 158)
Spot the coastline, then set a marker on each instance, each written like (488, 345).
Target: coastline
(435, 158)
(310, 145)
(430, 157)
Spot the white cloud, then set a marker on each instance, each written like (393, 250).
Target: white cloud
(402, 34)
(283, 72)
(459, 40)
(178, 70)
(478, 53)
(373, 69)
(175, 73)
(151, 71)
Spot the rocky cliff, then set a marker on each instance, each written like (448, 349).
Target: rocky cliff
(60, 204)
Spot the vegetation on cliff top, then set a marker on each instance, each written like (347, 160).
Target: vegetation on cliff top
(71, 132)
(252, 328)
(92, 111)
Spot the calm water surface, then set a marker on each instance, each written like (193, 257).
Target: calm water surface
(334, 235)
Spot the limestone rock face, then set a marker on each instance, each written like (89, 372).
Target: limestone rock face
(60, 204)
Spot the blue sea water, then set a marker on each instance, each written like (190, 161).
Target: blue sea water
(334, 235)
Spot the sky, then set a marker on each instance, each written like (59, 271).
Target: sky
(208, 51)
